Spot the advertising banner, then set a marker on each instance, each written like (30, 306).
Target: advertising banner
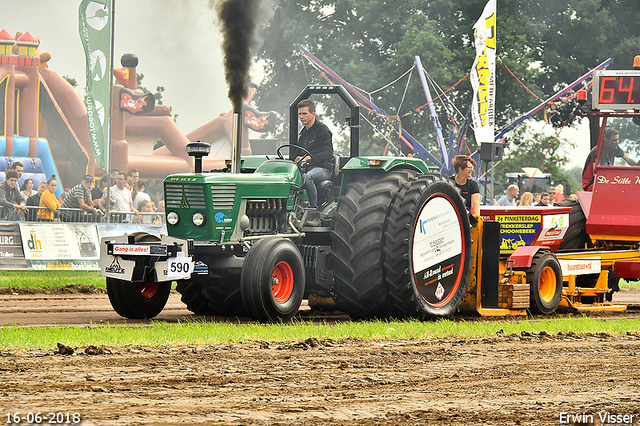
(53, 246)
(483, 75)
(95, 32)
(11, 254)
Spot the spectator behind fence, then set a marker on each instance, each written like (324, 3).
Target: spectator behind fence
(79, 197)
(98, 194)
(11, 201)
(134, 174)
(48, 201)
(18, 167)
(124, 202)
(526, 200)
(26, 190)
(34, 201)
(146, 206)
(139, 192)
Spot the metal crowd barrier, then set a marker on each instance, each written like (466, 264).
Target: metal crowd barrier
(82, 216)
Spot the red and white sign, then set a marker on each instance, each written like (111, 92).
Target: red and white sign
(580, 266)
(131, 250)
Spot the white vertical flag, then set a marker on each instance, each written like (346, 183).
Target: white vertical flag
(483, 74)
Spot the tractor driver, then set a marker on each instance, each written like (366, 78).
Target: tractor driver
(315, 137)
(610, 150)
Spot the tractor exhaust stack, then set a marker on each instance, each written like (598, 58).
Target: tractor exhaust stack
(236, 144)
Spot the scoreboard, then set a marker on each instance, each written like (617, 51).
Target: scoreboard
(616, 90)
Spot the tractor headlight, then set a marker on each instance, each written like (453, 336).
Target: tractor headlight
(173, 218)
(198, 219)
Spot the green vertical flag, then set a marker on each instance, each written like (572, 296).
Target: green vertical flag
(95, 32)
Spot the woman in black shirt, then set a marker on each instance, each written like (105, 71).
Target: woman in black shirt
(463, 166)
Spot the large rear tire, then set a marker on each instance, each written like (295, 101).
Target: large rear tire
(427, 249)
(191, 295)
(138, 301)
(576, 236)
(272, 280)
(357, 243)
(545, 280)
(224, 296)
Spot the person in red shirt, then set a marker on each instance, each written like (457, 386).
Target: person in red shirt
(610, 150)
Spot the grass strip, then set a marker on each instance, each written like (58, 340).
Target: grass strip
(47, 279)
(206, 333)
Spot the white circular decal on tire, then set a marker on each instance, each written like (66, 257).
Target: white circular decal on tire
(437, 251)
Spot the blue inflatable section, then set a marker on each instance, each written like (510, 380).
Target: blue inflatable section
(39, 168)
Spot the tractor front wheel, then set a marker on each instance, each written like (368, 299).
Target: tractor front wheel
(272, 280)
(545, 279)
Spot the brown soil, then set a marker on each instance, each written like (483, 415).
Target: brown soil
(507, 380)
(503, 380)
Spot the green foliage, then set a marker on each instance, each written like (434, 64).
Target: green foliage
(528, 148)
(370, 43)
(157, 94)
(72, 81)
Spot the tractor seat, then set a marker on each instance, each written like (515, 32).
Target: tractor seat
(324, 187)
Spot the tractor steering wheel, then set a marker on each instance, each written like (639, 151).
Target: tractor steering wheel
(281, 156)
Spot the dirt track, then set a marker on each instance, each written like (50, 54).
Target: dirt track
(504, 380)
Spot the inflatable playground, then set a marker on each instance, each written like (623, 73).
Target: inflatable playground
(43, 122)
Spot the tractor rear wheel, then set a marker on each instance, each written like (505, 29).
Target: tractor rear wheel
(427, 249)
(357, 243)
(576, 236)
(545, 280)
(272, 280)
(224, 296)
(191, 295)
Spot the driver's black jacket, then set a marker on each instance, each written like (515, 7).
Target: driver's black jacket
(316, 140)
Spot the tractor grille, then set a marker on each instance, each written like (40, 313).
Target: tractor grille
(223, 196)
(265, 206)
(184, 196)
(263, 214)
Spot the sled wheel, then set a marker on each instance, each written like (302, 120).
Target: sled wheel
(272, 280)
(138, 301)
(357, 243)
(427, 249)
(545, 280)
(149, 289)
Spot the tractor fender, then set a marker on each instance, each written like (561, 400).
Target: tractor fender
(522, 257)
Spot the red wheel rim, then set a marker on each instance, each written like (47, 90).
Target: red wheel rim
(148, 290)
(282, 282)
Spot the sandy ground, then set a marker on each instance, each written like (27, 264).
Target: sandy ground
(502, 380)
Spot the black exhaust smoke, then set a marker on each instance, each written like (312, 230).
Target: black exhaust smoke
(239, 20)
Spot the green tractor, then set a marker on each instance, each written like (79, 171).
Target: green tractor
(394, 240)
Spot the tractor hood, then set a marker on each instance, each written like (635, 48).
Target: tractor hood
(222, 197)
